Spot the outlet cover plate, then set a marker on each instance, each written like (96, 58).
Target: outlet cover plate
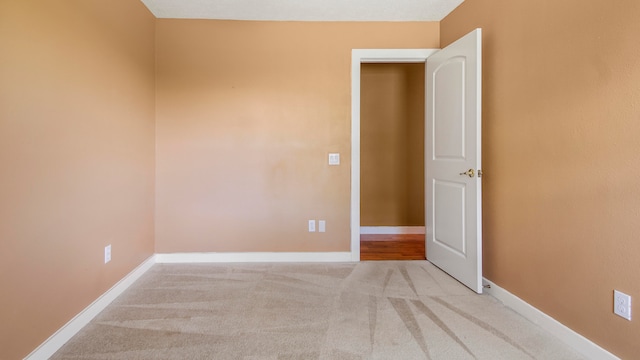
(622, 304)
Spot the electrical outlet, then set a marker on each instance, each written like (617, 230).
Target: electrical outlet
(322, 226)
(622, 304)
(312, 226)
(107, 254)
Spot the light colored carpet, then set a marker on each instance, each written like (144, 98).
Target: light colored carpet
(366, 310)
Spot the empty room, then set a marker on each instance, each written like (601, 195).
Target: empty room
(181, 179)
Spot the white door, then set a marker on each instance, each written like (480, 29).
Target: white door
(453, 160)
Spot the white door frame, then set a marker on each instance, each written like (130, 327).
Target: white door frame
(358, 57)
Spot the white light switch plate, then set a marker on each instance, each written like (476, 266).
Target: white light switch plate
(322, 226)
(334, 159)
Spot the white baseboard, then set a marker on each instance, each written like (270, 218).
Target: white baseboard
(66, 332)
(253, 257)
(391, 230)
(581, 344)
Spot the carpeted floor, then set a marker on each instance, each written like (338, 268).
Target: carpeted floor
(367, 310)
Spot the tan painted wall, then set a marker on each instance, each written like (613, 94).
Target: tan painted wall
(247, 113)
(392, 145)
(76, 158)
(562, 157)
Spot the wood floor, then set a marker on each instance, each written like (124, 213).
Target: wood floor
(392, 247)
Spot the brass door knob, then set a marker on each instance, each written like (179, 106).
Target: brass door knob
(470, 173)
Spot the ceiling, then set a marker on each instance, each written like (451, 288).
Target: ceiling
(304, 10)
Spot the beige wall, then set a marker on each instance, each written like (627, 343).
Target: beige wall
(562, 157)
(76, 158)
(392, 145)
(247, 113)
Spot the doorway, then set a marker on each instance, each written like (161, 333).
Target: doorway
(392, 161)
(359, 57)
(453, 152)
